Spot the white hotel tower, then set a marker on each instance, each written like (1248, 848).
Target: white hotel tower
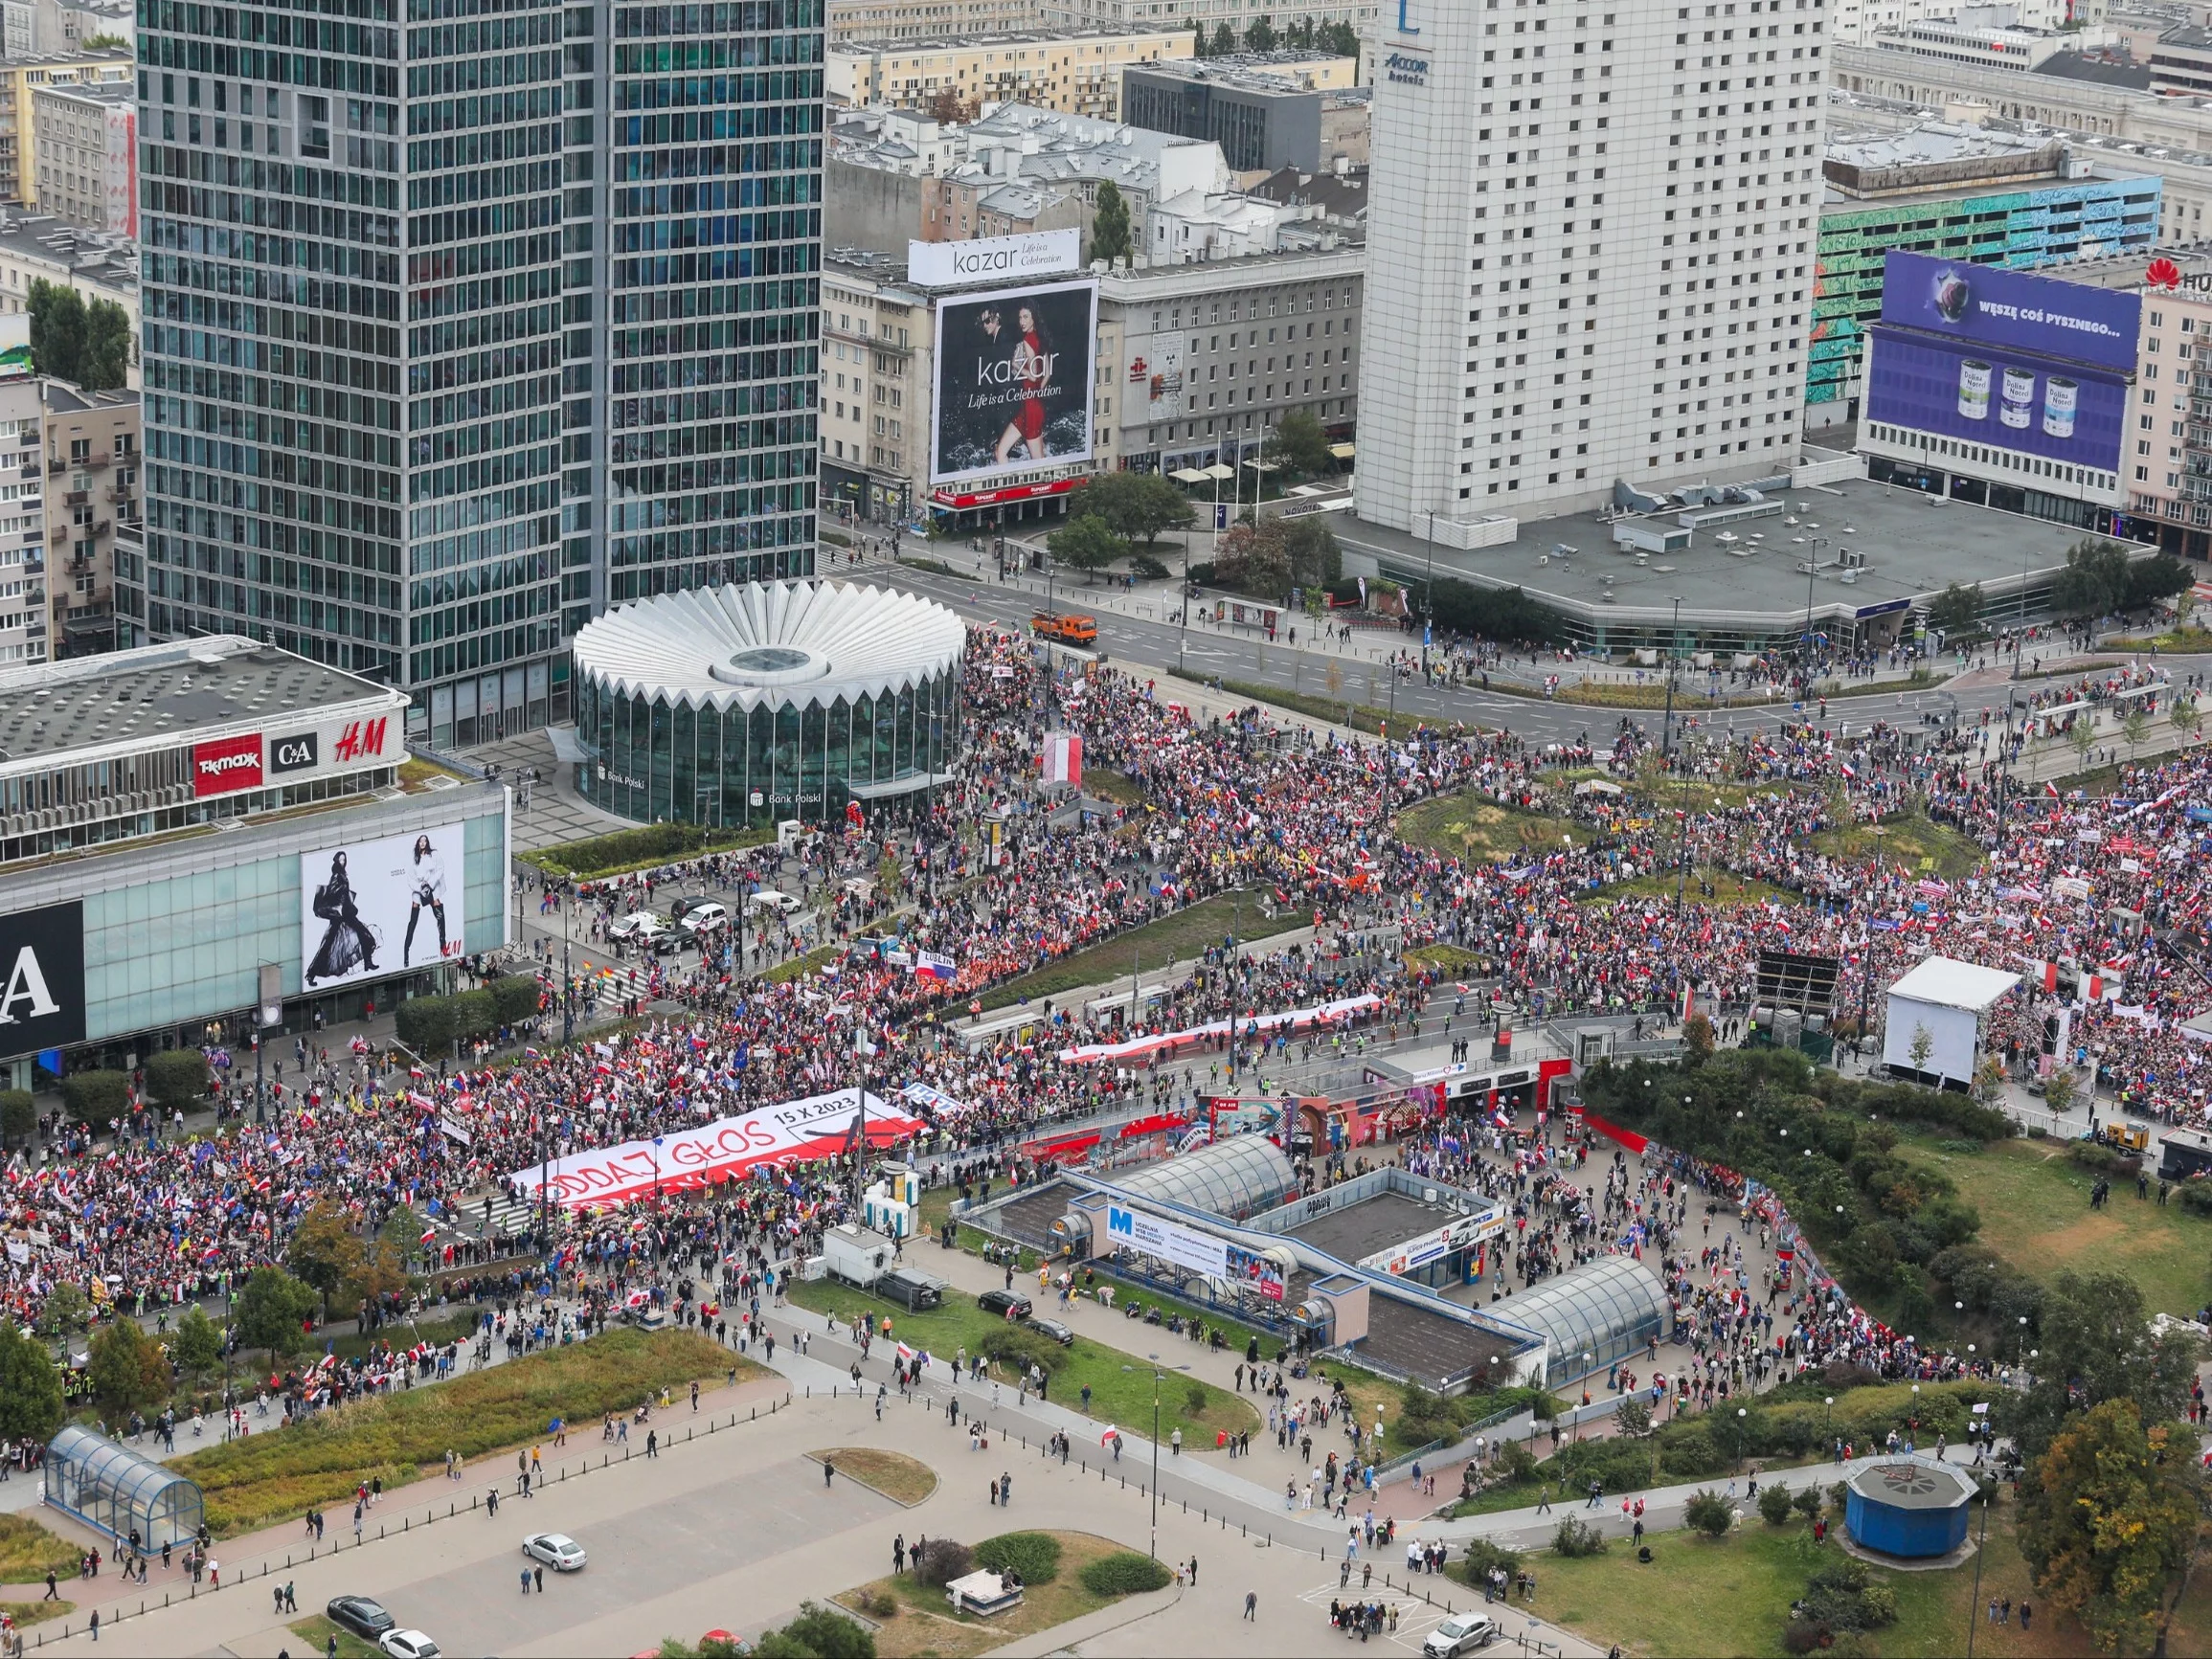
(1589, 251)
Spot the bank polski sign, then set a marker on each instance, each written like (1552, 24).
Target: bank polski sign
(981, 259)
(1150, 1236)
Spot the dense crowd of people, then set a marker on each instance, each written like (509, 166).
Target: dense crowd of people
(1768, 840)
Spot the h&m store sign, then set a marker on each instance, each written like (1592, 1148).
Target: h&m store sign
(41, 980)
(227, 765)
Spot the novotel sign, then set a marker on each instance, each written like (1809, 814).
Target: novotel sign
(989, 258)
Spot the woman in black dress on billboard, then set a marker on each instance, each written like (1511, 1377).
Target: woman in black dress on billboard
(347, 942)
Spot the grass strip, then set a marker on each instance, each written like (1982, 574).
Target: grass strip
(647, 846)
(1118, 1395)
(1337, 711)
(821, 957)
(913, 1619)
(318, 1632)
(280, 1474)
(1171, 938)
(902, 1479)
(29, 1551)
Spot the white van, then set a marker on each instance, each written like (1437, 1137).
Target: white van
(703, 919)
(782, 904)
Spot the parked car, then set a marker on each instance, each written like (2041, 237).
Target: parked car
(644, 925)
(775, 900)
(360, 1616)
(408, 1645)
(556, 1549)
(1006, 1304)
(1462, 1633)
(1052, 1327)
(683, 907)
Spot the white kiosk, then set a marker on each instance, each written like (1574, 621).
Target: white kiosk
(1941, 1009)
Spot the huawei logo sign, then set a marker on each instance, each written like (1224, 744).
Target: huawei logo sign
(2163, 272)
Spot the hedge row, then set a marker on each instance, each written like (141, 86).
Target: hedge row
(641, 848)
(430, 1025)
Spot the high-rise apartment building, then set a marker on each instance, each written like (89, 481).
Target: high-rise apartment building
(1591, 247)
(467, 320)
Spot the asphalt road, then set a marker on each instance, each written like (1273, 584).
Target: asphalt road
(1139, 643)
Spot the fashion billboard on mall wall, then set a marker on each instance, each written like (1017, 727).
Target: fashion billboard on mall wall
(1014, 371)
(379, 907)
(2012, 311)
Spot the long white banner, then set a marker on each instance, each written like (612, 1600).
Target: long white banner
(727, 1149)
(1297, 1019)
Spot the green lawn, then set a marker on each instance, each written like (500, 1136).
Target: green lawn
(1467, 826)
(1923, 846)
(1318, 704)
(280, 1474)
(1117, 1396)
(1699, 1597)
(1173, 938)
(2033, 1203)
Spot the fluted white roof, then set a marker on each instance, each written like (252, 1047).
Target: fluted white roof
(772, 643)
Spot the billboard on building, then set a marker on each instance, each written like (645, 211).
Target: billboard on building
(1150, 1236)
(15, 348)
(2021, 363)
(989, 259)
(41, 980)
(120, 180)
(1987, 308)
(2063, 412)
(380, 906)
(1014, 373)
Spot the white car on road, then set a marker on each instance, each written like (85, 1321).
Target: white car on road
(1464, 1634)
(408, 1645)
(556, 1549)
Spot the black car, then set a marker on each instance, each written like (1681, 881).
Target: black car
(363, 1617)
(1006, 1304)
(1052, 1327)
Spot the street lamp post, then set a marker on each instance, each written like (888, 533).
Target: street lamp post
(1667, 722)
(1811, 570)
(1428, 599)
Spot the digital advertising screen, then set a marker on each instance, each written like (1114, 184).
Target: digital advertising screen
(1998, 310)
(2010, 400)
(379, 907)
(1014, 371)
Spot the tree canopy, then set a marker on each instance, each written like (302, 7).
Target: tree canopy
(1958, 609)
(1087, 544)
(127, 1366)
(31, 1406)
(270, 1310)
(1299, 442)
(1137, 505)
(1110, 224)
(2108, 1515)
(72, 340)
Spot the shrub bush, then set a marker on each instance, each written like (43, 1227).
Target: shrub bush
(474, 1015)
(18, 1115)
(941, 1560)
(1034, 1558)
(1147, 567)
(177, 1076)
(1577, 1538)
(1481, 1555)
(1806, 1500)
(93, 1097)
(1017, 1349)
(426, 1025)
(1124, 1572)
(1710, 1513)
(514, 997)
(1775, 1505)
(2195, 1195)
(637, 848)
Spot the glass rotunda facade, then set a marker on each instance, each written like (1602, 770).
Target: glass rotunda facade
(756, 704)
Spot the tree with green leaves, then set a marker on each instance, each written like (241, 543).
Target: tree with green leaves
(2094, 1334)
(1197, 37)
(1299, 35)
(127, 1368)
(66, 1308)
(1086, 543)
(1224, 41)
(1260, 35)
(57, 330)
(1958, 609)
(30, 1403)
(1136, 505)
(107, 344)
(2095, 580)
(195, 1347)
(1340, 38)
(325, 1253)
(2109, 1516)
(2136, 727)
(1110, 224)
(271, 1310)
(18, 1115)
(2161, 576)
(1299, 442)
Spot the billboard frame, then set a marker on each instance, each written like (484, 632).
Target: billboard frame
(943, 391)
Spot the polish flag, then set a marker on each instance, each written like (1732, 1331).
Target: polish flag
(1111, 1435)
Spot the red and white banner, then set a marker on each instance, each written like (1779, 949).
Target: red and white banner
(726, 1149)
(1169, 1041)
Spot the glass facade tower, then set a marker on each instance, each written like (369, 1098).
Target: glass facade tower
(467, 319)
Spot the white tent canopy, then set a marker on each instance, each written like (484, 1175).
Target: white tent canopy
(1954, 984)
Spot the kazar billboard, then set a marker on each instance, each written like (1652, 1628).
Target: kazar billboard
(1014, 371)
(983, 258)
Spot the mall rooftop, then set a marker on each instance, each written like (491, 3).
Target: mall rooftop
(1861, 555)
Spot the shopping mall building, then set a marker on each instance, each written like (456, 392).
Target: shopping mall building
(192, 830)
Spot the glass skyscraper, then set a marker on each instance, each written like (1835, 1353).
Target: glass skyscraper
(466, 319)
